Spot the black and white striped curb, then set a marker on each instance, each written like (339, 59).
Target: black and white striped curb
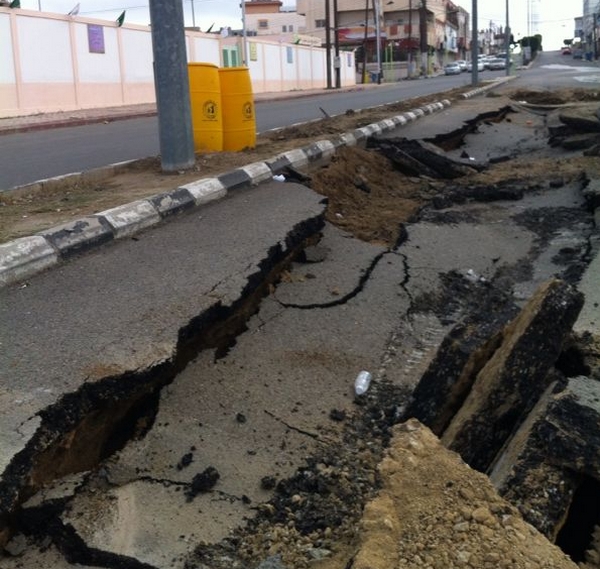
(490, 85)
(23, 257)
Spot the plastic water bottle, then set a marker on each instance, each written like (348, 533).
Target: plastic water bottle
(362, 382)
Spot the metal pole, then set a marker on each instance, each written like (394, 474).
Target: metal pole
(336, 47)
(409, 67)
(244, 34)
(378, 39)
(176, 139)
(474, 45)
(507, 41)
(595, 16)
(328, 41)
(193, 16)
(424, 45)
(364, 61)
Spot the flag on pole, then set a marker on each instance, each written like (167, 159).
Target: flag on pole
(15, 4)
(121, 19)
(74, 11)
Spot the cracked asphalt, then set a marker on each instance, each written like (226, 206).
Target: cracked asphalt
(261, 406)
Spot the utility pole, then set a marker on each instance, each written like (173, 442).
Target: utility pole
(328, 42)
(423, 38)
(595, 16)
(172, 87)
(336, 47)
(377, 39)
(364, 61)
(474, 45)
(507, 41)
(244, 34)
(409, 66)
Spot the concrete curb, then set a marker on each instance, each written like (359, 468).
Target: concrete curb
(485, 88)
(24, 257)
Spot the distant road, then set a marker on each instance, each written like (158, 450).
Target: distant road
(552, 70)
(32, 156)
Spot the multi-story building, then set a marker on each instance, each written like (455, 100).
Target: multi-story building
(422, 34)
(270, 18)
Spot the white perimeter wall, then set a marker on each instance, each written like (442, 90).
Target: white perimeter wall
(48, 63)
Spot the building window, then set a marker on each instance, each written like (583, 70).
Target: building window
(263, 24)
(319, 23)
(290, 28)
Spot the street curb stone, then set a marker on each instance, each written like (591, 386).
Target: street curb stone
(258, 172)
(485, 88)
(206, 190)
(26, 256)
(78, 235)
(235, 179)
(130, 218)
(171, 203)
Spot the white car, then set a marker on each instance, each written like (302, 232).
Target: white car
(480, 66)
(462, 64)
(497, 63)
(452, 69)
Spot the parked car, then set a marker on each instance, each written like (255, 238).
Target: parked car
(497, 63)
(485, 59)
(480, 66)
(566, 50)
(462, 64)
(452, 69)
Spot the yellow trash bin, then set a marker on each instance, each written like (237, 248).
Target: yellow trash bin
(205, 101)
(239, 121)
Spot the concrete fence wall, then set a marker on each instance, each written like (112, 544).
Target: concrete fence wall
(52, 62)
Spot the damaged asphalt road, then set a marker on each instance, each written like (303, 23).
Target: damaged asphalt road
(177, 381)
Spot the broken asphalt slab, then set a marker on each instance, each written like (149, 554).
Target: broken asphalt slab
(130, 308)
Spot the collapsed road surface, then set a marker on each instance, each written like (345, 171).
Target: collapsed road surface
(185, 398)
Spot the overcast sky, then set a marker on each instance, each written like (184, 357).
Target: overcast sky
(555, 16)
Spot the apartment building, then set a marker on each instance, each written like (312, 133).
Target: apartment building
(270, 18)
(426, 32)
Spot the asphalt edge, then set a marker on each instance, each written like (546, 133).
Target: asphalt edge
(26, 256)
